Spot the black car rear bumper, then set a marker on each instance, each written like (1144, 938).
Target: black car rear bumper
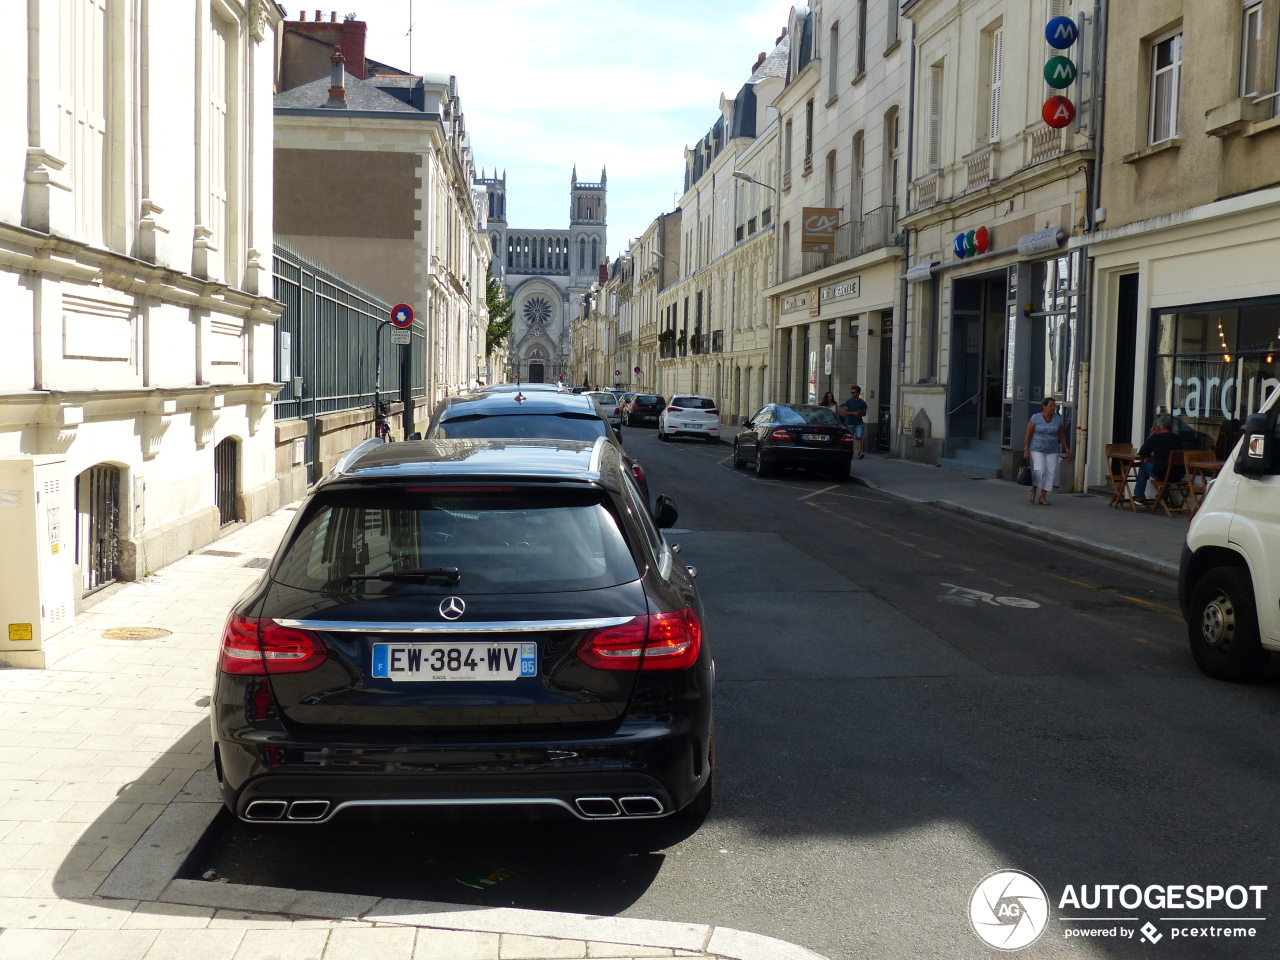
(822, 457)
(645, 769)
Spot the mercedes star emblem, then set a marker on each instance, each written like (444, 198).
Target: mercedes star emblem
(451, 608)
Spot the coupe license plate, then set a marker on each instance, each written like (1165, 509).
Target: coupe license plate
(461, 661)
(822, 437)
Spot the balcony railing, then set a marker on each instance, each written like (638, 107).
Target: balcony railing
(1046, 143)
(925, 190)
(877, 229)
(979, 168)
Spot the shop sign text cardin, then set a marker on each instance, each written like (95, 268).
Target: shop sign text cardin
(849, 289)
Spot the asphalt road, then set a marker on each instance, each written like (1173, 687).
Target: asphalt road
(907, 701)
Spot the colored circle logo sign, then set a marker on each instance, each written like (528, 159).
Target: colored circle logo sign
(970, 247)
(1058, 111)
(958, 246)
(1008, 910)
(1059, 72)
(402, 315)
(1061, 32)
(981, 239)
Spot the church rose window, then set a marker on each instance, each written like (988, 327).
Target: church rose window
(537, 310)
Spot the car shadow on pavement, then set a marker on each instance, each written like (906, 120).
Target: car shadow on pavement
(467, 858)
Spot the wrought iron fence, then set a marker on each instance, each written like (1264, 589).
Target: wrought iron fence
(325, 343)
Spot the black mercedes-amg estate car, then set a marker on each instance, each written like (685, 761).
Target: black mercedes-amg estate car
(461, 623)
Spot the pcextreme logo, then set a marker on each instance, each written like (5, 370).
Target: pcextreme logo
(1009, 910)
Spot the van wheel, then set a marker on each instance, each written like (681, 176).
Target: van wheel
(1223, 626)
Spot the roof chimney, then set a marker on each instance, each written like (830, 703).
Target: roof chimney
(759, 60)
(333, 16)
(302, 16)
(337, 80)
(781, 38)
(318, 17)
(353, 37)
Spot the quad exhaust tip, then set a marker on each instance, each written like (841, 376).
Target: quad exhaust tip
(601, 808)
(266, 810)
(308, 809)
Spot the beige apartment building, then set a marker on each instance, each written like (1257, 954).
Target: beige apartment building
(1187, 251)
(655, 256)
(713, 321)
(843, 118)
(994, 318)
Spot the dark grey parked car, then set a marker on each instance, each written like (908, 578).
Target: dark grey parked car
(794, 435)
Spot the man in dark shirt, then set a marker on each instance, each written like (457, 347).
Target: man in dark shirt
(855, 412)
(1155, 456)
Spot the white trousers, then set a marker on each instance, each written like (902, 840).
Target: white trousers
(1044, 470)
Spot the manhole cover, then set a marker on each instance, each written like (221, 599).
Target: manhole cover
(219, 553)
(135, 633)
(258, 563)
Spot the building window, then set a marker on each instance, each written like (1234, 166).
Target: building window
(1166, 83)
(994, 69)
(786, 156)
(808, 138)
(221, 47)
(833, 62)
(891, 17)
(856, 186)
(934, 131)
(1251, 49)
(860, 63)
(829, 197)
(892, 159)
(786, 250)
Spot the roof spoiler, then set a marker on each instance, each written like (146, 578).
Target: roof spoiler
(352, 456)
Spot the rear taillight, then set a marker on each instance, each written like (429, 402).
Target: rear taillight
(675, 409)
(617, 410)
(660, 641)
(637, 472)
(779, 433)
(846, 438)
(256, 646)
(716, 412)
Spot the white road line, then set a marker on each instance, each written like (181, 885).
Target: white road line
(814, 493)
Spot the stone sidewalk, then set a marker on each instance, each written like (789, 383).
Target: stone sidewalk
(106, 785)
(1079, 521)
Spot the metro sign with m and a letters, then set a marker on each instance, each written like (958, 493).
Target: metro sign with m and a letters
(818, 229)
(1060, 72)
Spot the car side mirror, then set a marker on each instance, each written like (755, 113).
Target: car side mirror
(664, 512)
(1255, 450)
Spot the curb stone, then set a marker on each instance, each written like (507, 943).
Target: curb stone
(1104, 551)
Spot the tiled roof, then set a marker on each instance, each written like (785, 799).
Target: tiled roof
(361, 95)
(775, 65)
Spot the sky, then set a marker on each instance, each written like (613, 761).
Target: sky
(545, 84)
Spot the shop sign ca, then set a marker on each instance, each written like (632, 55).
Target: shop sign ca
(849, 289)
(819, 233)
(1042, 241)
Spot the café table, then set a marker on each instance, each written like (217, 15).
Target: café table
(1125, 473)
(1204, 470)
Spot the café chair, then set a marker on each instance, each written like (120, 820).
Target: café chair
(1121, 473)
(1192, 459)
(1167, 485)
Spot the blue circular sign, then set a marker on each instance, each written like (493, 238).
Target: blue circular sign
(959, 247)
(1061, 32)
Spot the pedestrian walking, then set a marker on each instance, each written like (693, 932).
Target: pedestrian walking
(1044, 446)
(829, 401)
(855, 414)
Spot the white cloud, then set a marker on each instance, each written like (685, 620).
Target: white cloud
(546, 84)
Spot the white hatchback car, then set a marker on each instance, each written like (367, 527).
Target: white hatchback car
(689, 415)
(610, 405)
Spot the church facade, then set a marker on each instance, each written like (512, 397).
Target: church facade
(546, 273)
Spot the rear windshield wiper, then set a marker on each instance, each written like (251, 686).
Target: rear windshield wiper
(449, 575)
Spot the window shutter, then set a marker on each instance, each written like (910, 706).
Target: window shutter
(997, 77)
(935, 117)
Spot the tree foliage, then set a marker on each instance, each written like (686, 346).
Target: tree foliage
(499, 315)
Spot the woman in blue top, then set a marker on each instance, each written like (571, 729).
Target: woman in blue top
(1046, 440)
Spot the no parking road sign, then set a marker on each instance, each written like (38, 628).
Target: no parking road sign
(402, 315)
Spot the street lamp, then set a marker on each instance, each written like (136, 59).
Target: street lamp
(739, 175)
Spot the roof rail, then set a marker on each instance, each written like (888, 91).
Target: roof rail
(350, 458)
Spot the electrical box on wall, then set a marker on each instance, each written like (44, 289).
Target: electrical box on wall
(37, 528)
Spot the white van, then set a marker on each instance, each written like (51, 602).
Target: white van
(1229, 579)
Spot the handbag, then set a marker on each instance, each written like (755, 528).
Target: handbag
(1024, 476)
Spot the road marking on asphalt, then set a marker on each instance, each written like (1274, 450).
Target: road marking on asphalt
(969, 597)
(1149, 604)
(814, 493)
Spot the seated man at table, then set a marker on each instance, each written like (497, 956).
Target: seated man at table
(1155, 456)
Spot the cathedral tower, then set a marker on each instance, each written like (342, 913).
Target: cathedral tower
(587, 227)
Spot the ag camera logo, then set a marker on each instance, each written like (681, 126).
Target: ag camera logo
(1008, 910)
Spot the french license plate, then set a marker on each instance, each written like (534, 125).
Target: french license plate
(693, 426)
(814, 436)
(459, 661)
